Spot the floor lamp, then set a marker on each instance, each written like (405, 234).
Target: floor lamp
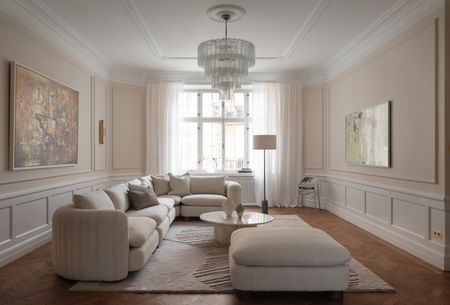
(264, 142)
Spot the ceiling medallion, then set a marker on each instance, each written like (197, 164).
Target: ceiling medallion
(226, 60)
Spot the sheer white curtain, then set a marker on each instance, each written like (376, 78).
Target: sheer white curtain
(277, 109)
(163, 123)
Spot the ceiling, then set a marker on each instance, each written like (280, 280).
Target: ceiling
(137, 36)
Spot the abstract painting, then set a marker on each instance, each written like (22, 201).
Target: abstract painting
(367, 136)
(43, 121)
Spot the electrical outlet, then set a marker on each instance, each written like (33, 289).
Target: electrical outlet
(437, 234)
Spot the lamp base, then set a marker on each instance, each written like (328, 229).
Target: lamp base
(264, 207)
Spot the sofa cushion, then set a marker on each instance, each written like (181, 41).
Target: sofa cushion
(157, 213)
(160, 185)
(139, 230)
(93, 200)
(119, 196)
(203, 199)
(286, 247)
(169, 203)
(135, 182)
(147, 180)
(179, 185)
(175, 198)
(141, 196)
(207, 185)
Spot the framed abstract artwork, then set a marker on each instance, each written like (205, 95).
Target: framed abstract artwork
(43, 121)
(368, 136)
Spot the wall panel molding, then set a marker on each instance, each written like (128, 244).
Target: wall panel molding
(399, 217)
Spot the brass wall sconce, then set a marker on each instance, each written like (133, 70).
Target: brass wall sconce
(101, 132)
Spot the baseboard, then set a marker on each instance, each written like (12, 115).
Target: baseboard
(11, 254)
(419, 250)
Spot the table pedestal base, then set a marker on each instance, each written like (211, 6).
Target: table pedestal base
(222, 233)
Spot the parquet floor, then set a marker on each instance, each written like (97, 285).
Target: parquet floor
(31, 280)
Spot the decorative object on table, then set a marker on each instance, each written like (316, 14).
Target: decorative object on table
(43, 121)
(101, 132)
(240, 210)
(264, 142)
(228, 206)
(226, 60)
(367, 136)
(308, 185)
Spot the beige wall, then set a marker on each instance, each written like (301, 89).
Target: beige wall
(21, 46)
(128, 106)
(408, 72)
(402, 204)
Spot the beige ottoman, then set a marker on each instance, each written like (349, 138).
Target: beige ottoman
(288, 259)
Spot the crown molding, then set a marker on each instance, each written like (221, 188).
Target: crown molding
(306, 27)
(143, 29)
(41, 20)
(389, 25)
(313, 76)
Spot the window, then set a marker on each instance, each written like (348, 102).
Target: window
(215, 134)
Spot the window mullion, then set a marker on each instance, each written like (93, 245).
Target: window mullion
(223, 135)
(199, 131)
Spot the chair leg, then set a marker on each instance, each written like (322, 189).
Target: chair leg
(314, 195)
(318, 197)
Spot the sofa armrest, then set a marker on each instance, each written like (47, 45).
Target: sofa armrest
(233, 191)
(90, 245)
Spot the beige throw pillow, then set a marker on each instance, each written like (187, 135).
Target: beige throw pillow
(179, 185)
(93, 200)
(207, 185)
(141, 196)
(160, 185)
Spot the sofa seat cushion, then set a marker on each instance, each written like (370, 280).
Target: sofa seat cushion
(119, 196)
(157, 213)
(139, 230)
(98, 200)
(176, 199)
(203, 200)
(169, 203)
(286, 247)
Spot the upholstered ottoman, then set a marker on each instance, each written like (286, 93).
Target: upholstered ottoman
(288, 259)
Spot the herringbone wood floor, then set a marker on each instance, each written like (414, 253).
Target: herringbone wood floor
(31, 280)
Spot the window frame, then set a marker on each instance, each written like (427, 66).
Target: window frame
(200, 120)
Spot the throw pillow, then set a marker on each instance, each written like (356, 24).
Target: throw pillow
(179, 185)
(207, 185)
(147, 180)
(161, 185)
(141, 196)
(93, 200)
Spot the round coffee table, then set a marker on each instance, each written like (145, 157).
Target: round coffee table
(224, 226)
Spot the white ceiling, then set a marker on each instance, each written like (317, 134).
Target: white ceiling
(163, 35)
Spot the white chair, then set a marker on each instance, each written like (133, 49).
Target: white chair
(309, 186)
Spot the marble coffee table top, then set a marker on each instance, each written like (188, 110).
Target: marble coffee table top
(248, 218)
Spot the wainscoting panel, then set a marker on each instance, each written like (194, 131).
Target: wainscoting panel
(29, 216)
(404, 219)
(356, 199)
(5, 225)
(411, 217)
(378, 207)
(26, 217)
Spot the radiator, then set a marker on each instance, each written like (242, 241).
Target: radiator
(247, 187)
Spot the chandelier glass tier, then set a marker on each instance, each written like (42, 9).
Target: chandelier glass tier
(226, 61)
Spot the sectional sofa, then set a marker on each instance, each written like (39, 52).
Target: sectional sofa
(100, 237)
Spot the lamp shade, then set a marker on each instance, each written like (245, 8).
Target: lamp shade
(266, 141)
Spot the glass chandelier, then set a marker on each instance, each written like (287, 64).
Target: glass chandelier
(226, 61)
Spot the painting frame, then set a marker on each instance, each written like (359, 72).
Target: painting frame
(13, 111)
(387, 136)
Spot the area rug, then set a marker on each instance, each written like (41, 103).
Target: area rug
(189, 260)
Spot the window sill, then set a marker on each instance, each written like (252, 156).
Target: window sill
(221, 173)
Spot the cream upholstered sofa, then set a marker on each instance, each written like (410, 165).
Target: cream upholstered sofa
(101, 238)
